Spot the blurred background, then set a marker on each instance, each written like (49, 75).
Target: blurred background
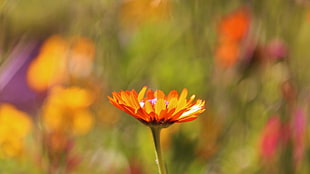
(59, 60)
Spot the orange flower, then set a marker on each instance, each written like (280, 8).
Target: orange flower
(227, 54)
(58, 59)
(48, 68)
(157, 109)
(233, 28)
(134, 13)
(67, 110)
(235, 25)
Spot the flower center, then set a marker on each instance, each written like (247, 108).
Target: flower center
(152, 101)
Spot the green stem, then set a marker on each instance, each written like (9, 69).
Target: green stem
(159, 157)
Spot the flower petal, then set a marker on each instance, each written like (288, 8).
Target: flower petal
(159, 94)
(159, 106)
(172, 94)
(142, 93)
(186, 119)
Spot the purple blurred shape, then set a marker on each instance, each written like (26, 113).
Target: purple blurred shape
(14, 88)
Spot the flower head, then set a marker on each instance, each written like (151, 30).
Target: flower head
(157, 109)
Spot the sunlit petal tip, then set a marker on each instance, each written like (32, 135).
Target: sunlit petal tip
(142, 93)
(193, 97)
(184, 93)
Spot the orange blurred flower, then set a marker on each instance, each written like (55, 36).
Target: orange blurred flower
(59, 58)
(66, 110)
(235, 25)
(157, 109)
(14, 127)
(232, 30)
(49, 67)
(136, 12)
(227, 53)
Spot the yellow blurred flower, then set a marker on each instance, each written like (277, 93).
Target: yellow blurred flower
(14, 127)
(49, 67)
(136, 12)
(59, 58)
(66, 110)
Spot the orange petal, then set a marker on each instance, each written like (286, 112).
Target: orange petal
(163, 115)
(148, 107)
(172, 103)
(183, 94)
(182, 100)
(159, 94)
(172, 94)
(134, 102)
(142, 93)
(150, 94)
(142, 115)
(186, 119)
(160, 105)
(180, 105)
(191, 99)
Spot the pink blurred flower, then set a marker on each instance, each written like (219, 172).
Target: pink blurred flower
(298, 134)
(277, 49)
(271, 138)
